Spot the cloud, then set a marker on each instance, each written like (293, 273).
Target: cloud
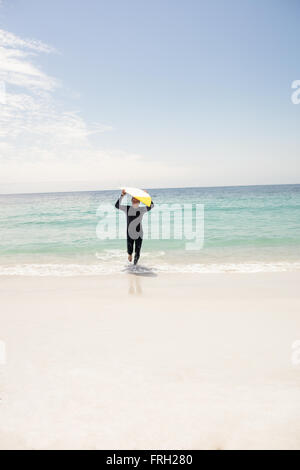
(40, 140)
(15, 66)
(11, 40)
(44, 146)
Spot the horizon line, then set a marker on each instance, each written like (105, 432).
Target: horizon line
(150, 189)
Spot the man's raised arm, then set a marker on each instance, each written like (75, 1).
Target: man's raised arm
(118, 204)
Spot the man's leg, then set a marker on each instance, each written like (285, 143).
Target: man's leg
(130, 242)
(138, 246)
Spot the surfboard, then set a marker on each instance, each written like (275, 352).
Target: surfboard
(139, 194)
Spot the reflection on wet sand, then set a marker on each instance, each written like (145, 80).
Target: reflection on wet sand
(136, 272)
(135, 287)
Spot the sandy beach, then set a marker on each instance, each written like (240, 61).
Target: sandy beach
(144, 362)
(149, 226)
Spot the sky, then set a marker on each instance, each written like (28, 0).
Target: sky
(100, 94)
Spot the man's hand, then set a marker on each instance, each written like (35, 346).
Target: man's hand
(123, 192)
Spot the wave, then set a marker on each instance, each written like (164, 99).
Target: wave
(71, 270)
(108, 255)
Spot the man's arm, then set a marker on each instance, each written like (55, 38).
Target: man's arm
(145, 209)
(150, 207)
(118, 204)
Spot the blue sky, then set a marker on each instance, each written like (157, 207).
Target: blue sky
(148, 93)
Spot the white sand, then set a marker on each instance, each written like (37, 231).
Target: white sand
(126, 362)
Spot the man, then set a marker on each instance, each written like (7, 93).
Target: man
(134, 214)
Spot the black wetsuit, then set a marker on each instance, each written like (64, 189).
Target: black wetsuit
(134, 226)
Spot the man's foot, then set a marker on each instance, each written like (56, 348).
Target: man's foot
(130, 258)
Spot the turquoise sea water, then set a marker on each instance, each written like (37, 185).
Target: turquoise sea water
(248, 229)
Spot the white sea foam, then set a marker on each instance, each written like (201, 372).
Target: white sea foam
(108, 255)
(70, 270)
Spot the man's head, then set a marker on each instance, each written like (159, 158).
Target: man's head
(135, 202)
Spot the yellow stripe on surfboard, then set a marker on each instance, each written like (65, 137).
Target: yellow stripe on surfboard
(145, 200)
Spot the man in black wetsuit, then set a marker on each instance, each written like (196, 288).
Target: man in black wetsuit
(134, 214)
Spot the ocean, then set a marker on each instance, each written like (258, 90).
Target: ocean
(243, 229)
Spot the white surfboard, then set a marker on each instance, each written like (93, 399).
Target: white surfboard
(139, 194)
